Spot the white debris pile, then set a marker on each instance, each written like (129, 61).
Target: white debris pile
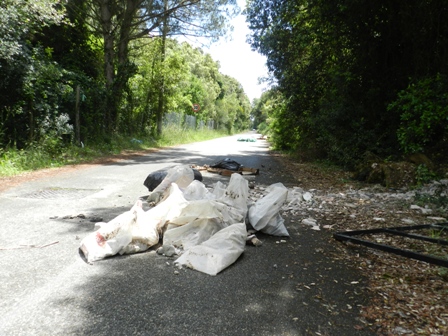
(310, 206)
(205, 227)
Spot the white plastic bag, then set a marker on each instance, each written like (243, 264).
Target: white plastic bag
(218, 252)
(219, 189)
(197, 222)
(202, 209)
(196, 190)
(193, 233)
(168, 209)
(110, 238)
(133, 231)
(264, 215)
(235, 197)
(143, 230)
(181, 175)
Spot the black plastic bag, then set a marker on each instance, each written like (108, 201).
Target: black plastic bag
(228, 164)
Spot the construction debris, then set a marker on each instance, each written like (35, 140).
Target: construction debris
(205, 228)
(227, 167)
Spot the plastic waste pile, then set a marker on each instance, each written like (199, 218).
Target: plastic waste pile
(206, 228)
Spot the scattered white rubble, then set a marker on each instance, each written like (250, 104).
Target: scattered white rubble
(425, 210)
(442, 219)
(311, 222)
(307, 196)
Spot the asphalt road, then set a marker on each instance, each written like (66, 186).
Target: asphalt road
(294, 287)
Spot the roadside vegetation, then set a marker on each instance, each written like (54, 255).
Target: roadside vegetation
(84, 78)
(354, 77)
(14, 161)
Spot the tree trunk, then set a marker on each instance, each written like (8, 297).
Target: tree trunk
(109, 63)
(161, 103)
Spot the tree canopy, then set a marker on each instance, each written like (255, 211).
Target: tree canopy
(356, 76)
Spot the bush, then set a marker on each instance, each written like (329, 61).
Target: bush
(423, 108)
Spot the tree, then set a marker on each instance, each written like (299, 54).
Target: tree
(340, 64)
(120, 22)
(23, 101)
(20, 18)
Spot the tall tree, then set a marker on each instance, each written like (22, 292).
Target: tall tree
(339, 65)
(120, 22)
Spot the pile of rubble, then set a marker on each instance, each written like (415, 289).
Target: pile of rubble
(374, 204)
(206, 228)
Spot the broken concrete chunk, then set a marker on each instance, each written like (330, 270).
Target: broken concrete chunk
(437, 218)
(166, 250)
(425, 211)
(255, 242)
(307, 196)
(309, 221)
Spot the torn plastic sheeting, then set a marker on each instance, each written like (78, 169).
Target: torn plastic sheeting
(169, 209)
(218, 252)
(198, 221)
(137, 230)
(202, 209)
(264, 215)
(197, 191)
(107, 240)
(144, 234)
(193, 233)
(219, 189)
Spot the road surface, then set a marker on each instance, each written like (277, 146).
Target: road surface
(294, 287)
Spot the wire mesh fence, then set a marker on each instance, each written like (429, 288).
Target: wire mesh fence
(186, 121)
(190, 122)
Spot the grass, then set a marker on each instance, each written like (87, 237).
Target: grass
(173, 135)
(51, 153)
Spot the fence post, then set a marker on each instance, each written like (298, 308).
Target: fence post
(77, 123)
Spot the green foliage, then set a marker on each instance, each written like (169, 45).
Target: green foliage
(189, 77)
(175, 135)
(424, 175)
(19, 18)
(340, 64)
(51, 51)
(423, 108)
(263, 128)
(437, 200)
(14, 161)
(41, 90)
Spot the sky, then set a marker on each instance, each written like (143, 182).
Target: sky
(238, 60)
